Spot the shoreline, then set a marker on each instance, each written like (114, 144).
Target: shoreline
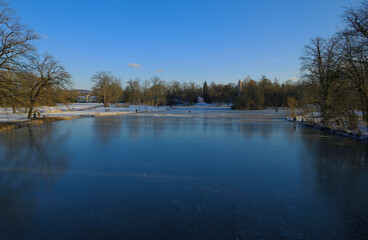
(8, 126)
(335, 132)
(10, 121)
(12, 125)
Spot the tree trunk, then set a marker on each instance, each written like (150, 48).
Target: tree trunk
(366, 112)
(30, 110)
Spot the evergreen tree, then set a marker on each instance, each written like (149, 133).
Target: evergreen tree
(205, 92)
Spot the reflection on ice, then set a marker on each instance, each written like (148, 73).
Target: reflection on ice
(28, 161)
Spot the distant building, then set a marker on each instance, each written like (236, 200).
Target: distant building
(240, 86)
(200, 100)
(243, 84)
(87, 99)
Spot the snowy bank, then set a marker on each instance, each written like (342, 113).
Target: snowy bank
(10, 120)
(334, 129)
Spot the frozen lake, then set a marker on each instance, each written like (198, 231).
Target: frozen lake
(208, 174)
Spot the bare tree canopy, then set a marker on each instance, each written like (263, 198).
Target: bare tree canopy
(133, 90)
(42, 77)
(15, 42)
(158, 91)
(107, 88)
(15, 37)
(354, 49)
(357, 19)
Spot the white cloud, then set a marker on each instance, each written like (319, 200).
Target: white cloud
(134, 65)
(159, 71)
(294, 78)
(44, 36)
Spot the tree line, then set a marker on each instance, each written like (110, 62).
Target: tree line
(27, 79)
(251, 94)
(255, 95)
(157, 92)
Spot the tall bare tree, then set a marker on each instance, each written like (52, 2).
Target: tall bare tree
(106, 87)
(355, 52)
(158, 91)
(321, 70)
(43, 77)
(15, 37)
(145, 92)
(133, 90)
(15, 41)
(116, 91)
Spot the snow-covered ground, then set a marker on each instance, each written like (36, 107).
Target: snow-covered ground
(75, 110)
(203, 105)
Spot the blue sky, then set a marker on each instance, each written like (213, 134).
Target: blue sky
(183, 40)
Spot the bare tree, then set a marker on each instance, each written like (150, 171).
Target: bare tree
(107, 88)
(174, 92)
(321, 70)
(354, 49)
(158, 91)
(15, 37)
(15, 41)
(146, 94)
(133, 91)
(357, 20)
(43, 77)
(116, 90)
(102, 87)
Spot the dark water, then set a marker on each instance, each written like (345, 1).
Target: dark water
(211, 174)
